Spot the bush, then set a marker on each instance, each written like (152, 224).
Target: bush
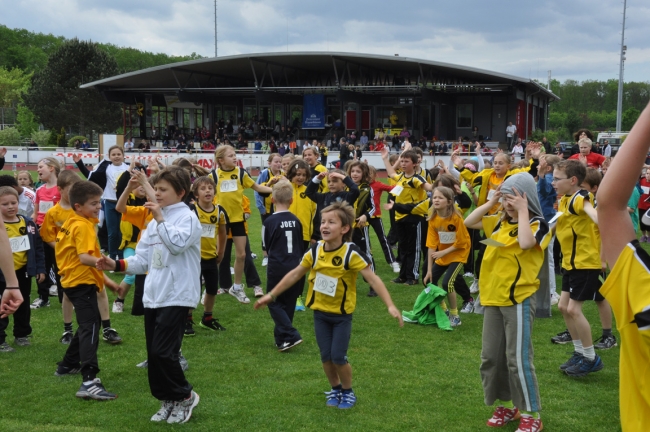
(41, 137)
(75, 138)
(10, 137)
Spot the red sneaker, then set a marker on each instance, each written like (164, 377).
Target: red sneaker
(502, 416)
(529, 424)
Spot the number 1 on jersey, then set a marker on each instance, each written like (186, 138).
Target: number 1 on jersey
(289, 235)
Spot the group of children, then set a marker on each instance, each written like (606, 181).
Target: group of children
(315, 226)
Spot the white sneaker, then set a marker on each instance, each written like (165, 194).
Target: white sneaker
(221, 291)
(258, 291)
(54, 291)
(203, 298)
(469, 274)
(253, 255)
(555, 298)
(164, 411)
(474, 288)
(239, 295)
(265, 261)
(118, 307)
(182, 410)
(232, 270)
(143, 365)
(396, 267)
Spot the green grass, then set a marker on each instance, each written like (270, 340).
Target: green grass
(411, 378)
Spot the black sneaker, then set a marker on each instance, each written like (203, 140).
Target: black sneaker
(605, 342)
(111, 336)
(95, 390)
(66, 338)
(62, 370)
(410, 282)
(213, 324)
(573, 360)
(585, 367)
(288, 345)
(398, 281)
(189, 328)
(372, 293)
(562, 338)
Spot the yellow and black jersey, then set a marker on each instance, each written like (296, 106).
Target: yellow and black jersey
(77, 236)
(627, 289)
(230, 190)
(18, 231)
(304, 209)
(210, 221)
(489, 181)
(323, 151)
(444, 233)
(391, 181)
(268, 204)
(130, 233)
(317, 169)
(53, 221)
(510, 274)
(576, 233)
(426, 175)
(365, 203)
(333, 277)
(407, 190)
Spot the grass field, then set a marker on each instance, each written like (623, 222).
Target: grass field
(411, 378)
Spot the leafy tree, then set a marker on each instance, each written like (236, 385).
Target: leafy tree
(13, 84)
(41, 137)
(26, 121)
(572, 122)
(9, 137)
(55, 96)
(628, 118)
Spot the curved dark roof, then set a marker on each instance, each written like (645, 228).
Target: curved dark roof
(299, 72)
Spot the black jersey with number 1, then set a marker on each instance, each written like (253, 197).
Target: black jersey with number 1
(282, 238)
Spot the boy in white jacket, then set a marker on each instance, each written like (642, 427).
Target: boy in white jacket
(170, 252)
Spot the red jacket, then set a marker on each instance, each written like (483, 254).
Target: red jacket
(645, 185)
(377, 188)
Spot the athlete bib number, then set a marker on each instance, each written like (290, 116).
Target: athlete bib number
(19, 244)
(157, 260)
(447, 237)
(207, 230)
(44, 206)
(228, 185)
(397, 190)
(325, 284)
(491, 194)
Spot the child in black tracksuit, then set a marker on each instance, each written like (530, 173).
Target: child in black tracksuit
(337, 181)
(29, 261)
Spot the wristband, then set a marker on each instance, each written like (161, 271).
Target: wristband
(19, 288)
(274, 298)
(119, 265)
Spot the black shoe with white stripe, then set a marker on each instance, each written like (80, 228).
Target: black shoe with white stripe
(94, 390)
(63, 370)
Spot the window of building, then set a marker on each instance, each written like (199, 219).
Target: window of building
(464, 115)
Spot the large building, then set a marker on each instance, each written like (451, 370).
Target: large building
(320, 90)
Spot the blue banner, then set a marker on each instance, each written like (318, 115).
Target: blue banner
(313, 111)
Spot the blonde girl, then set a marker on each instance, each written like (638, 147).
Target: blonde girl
(448, 246)
(231, 182)
(47, 195)
(24, 179)
(286, 160)
(310, 155)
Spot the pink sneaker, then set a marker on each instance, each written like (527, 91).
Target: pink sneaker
(529, 424)
(502, 416)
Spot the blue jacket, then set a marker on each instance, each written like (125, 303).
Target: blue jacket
(547, 195)
(35, 254)
(259, 199)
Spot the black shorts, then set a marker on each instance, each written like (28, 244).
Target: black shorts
(210, 273)
(237, 229)
(582, 285)
(333, 336)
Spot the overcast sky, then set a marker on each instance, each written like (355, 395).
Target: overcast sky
(575, 39)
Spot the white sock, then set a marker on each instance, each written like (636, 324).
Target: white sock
(89, 382)
(589, 353)
(238, 287)
(577, 346)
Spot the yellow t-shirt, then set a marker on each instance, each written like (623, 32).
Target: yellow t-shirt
(426, 175)
(322, 187)
(392, 182)
(333, 277)
(77, 236)
(444, 233)
(407, 190)
(137, 216)
(210, 223)
(304, 209)
(509, 273)
(53, 221)
(493, 183)
(627, 289)
(576, 233)
(230, 191)
(14, 231)
(267, 200)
